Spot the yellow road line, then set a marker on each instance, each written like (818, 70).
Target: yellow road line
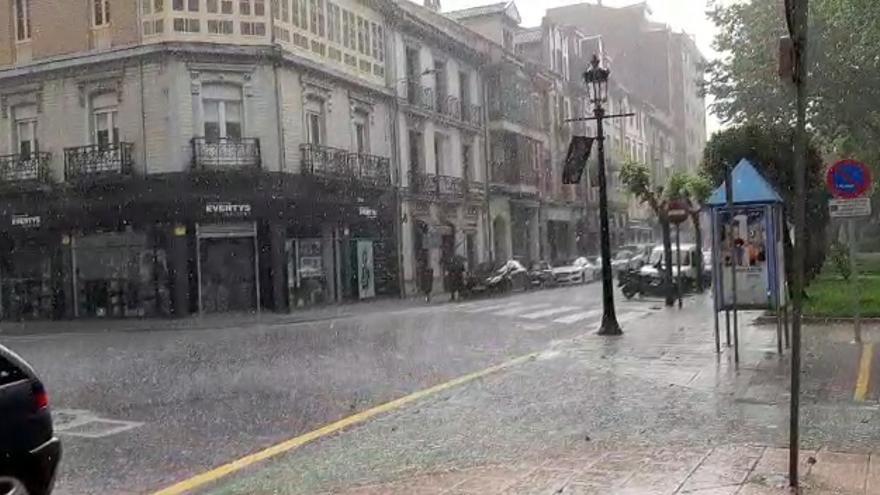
(217, 473)
(864, 372)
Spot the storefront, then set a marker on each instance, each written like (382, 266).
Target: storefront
(227, 265)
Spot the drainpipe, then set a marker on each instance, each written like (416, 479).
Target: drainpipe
(397, 184)
(488, 228)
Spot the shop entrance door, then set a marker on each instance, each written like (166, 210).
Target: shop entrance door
(227, 267)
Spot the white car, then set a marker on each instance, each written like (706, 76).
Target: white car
(688, 261)
(577, 271)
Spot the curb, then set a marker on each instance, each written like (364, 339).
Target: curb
(767, 319)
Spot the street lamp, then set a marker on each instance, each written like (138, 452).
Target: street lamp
(596, 79)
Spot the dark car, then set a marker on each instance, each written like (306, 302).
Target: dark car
(29, 450)
(541, 274)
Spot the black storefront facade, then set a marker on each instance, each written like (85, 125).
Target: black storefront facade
(171, 245)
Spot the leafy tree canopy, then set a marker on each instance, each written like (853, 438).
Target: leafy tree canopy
(843, 68)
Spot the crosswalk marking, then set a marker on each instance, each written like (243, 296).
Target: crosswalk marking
(634, 315)
(549, 312)
(520, 309)
(578, 317)
(493, 307)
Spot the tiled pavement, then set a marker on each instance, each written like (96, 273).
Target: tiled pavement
(729, 470)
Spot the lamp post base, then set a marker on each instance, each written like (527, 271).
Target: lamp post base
(610, 327)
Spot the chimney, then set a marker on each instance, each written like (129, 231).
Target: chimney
(433, 5)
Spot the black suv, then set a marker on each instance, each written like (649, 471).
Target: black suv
(29, 451)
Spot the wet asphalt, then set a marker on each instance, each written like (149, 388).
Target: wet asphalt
(141, 410)
(659, 386)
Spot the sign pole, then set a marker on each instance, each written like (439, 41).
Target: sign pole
(854, 282)
(728, 184)
(678, 262)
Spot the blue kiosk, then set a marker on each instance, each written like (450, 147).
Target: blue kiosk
(748, 261)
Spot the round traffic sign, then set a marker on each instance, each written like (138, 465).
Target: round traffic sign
(677, 211)
(848, 179)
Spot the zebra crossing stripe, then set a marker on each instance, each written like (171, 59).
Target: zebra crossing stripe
(520, 309)
(549, 312)
(633, 315)
(578, 317)
(493, 307)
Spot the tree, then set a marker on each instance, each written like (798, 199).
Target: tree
(695, 190)
(637, 179)
(844, 106)
(770, 149)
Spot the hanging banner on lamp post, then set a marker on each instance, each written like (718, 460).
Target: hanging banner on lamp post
(578, 153)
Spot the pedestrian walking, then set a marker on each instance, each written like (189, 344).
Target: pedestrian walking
(426, 281)
(456, 277)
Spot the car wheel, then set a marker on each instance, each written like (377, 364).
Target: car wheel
(12, 486)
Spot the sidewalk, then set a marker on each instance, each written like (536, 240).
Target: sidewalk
(728, 470)
(212, 321)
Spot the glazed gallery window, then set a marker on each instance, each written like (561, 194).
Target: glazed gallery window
(25, 130)
(101, 13)
(22, 20)
(105, 120)
(222, 112)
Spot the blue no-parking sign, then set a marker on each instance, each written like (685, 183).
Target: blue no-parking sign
(848, 179)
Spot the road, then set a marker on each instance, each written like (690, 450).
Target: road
(141, 410)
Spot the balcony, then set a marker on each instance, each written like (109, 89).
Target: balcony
(96, 161)
(226, 154)
(339, 164)
(472, 114)
(21, 169)
(476, 189)
(450, 187)
(420, 96)
(450, 106)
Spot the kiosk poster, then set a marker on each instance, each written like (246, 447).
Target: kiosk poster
(747, 251)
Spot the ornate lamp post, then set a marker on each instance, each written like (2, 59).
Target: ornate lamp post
(596, 78)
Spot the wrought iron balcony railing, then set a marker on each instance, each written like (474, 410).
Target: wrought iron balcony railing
(437, 186)
(472, 114)
(98, 160)
(450, 187)
(226, 154)
(371, 169)
(25, 168)
(420, 96)
(449, 106)
(339, 164)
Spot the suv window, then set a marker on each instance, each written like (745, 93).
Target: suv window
(9, 372)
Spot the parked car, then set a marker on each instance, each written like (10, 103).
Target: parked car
(29, 450)
(576, 271)
(497, 277)
(641, 255)
(621, 260)
(541, 274)
(688, 264)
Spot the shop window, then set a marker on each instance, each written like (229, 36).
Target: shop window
(120, 274)
(22, 20)
(315, 121)
(25, 130)
(222, 117)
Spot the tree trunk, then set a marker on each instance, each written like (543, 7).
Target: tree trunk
(698, 240)
(667, 262)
